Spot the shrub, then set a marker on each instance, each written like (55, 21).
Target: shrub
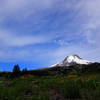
(16, 71)
(71, 90)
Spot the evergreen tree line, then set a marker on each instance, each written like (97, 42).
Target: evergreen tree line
(16, 72)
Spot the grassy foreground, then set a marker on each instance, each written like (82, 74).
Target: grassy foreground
(63, 87)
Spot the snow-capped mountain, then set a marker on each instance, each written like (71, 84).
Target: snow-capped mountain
(72, 60)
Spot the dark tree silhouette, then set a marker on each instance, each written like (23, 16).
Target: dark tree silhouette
(24, 71)
(16, 70)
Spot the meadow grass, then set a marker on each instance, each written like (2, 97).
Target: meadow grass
(59, 87)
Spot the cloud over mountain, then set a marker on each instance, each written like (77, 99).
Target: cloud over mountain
(51, 29)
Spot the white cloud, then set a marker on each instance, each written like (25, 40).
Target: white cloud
(84, 16)
(91, 11)
(9, 38)
(23, 9)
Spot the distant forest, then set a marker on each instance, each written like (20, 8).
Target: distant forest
(57, 70)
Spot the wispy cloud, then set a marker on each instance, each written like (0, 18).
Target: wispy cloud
(91, 12)
(9, 38)
(49, 29)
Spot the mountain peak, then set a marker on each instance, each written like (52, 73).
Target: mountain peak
(73, 57)
(72, 60)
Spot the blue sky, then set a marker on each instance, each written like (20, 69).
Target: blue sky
(39, 33)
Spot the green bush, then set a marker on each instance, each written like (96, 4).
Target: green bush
(71, 90)
(51, 88)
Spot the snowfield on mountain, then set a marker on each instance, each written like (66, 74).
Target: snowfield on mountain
(72, 60)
